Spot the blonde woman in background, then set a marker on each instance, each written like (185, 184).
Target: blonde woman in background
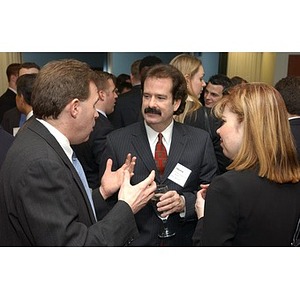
(192, 69)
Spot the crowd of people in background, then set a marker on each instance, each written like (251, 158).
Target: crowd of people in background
(83, 151)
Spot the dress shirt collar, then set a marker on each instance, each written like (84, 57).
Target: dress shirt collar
(10, 88)
(292, 118)
(61, 139)
(153, 136)
(30, 114)
(101, 112)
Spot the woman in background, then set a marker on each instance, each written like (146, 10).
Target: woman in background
(257, 202)
(193, 72)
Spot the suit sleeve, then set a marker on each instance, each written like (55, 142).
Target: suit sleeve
(52, 212)
(219, 225)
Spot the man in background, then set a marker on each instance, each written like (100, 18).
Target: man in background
(8, 99)
(90, 152)
(13, 119)
(128, 106)
(216, 86)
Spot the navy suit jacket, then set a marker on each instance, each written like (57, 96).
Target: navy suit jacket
(192, 148)
(43, 201)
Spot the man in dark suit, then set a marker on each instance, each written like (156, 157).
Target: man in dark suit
(44, 197)
(6, 141)
(15, 117)
(190, 156)
(23, 101)
(90, 152)
(8, 99)
(289, 88)
(128, 106)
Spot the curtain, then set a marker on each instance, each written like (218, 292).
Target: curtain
(6, 58)
(245, 64)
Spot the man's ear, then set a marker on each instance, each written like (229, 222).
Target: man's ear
(101, 94)
(74, 107)
(176, 104)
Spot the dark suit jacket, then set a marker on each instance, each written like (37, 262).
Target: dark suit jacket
(243, 209)
(190, 147)
(7, 101)
(128, 108)
(43, 201)
(90, 152)
(11, 119)
(6, 141)
(295, 128)
(211, 124)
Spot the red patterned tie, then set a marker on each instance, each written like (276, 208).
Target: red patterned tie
(160, 155)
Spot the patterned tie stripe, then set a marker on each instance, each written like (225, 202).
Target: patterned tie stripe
(160, 155)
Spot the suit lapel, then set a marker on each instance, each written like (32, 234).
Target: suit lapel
(43, 132)
(141, 144)
(177, 147)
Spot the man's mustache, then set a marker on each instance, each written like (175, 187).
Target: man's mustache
(151, 110)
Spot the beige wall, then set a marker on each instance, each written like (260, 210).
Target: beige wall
(268, 67)
(6, 58)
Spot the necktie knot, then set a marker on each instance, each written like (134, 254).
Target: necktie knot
(160, 136)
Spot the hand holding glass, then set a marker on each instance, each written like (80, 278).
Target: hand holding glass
(160, 190)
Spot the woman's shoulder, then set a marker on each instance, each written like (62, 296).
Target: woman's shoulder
(236, 178)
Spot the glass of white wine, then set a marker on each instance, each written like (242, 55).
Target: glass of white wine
(160, 190)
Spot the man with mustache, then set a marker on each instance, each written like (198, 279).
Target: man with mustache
(190, 157)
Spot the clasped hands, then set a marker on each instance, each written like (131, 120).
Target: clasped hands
(136, 196)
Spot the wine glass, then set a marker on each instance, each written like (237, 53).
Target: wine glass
(160, 190)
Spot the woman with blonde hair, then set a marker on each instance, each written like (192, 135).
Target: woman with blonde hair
(257, 202)
(192, 69)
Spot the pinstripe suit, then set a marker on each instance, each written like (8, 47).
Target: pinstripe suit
(191, 147)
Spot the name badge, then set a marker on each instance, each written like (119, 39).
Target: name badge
(180, 174)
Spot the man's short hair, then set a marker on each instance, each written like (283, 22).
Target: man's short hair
(58, 83)
(289, 88)
(25, 85)
(223, 80)
(12, 69)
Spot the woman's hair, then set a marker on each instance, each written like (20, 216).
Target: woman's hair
(188, 65)
(267, 144)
